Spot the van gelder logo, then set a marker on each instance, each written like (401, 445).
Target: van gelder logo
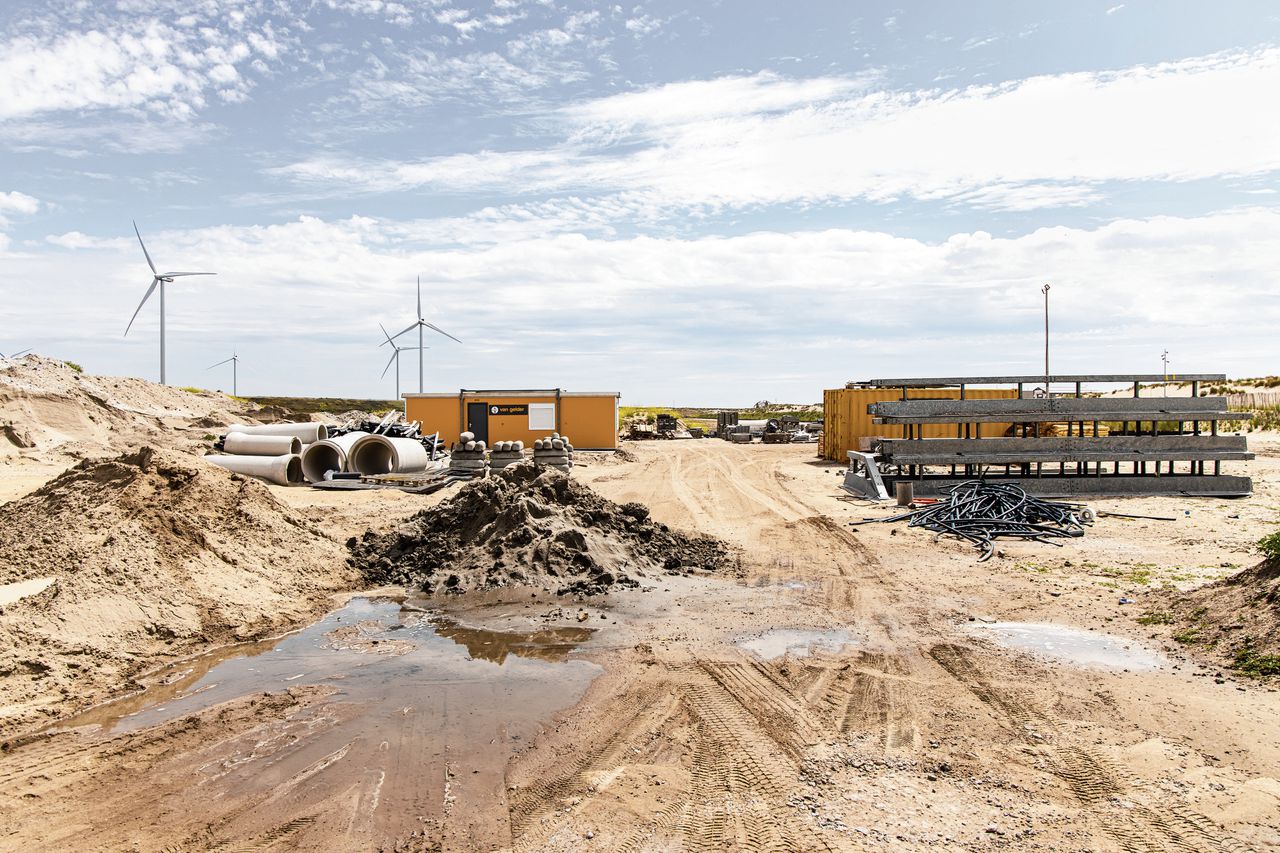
(522, 409)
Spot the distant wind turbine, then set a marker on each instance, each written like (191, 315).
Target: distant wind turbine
(420, 324)
(235, 363)
(395, 357)
(19, 354)
(160, 279)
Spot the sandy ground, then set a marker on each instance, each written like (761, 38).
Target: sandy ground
(919, 733)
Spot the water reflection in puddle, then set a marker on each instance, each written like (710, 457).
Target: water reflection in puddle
(371, 650)
(1083, 648)
(795, 642)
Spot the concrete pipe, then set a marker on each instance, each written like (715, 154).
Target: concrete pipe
(249, 444)
(283, 470)
(380, 454)
(307, 433)
(328, 455)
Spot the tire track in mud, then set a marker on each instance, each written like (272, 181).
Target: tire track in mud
(871, 695)
(1097, 783)
(530, 802)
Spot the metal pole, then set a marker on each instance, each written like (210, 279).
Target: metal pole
(1045, 291)
(1164, 360)
(421, 352)
(235, 380)
(397, 372)
(162, 382)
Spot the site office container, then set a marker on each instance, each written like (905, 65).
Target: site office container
(846, 424)
(589, 419)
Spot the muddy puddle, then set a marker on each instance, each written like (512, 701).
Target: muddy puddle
(369, 651)
(796, 642)
(416, 709)
(1073, 646)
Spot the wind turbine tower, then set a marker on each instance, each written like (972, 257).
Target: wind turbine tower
(419, 324)
(235, 363)
(160, 279)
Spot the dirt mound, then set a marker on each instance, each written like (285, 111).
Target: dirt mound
(529, 525)
(49, 410)
(1235, 620)
(152, 555)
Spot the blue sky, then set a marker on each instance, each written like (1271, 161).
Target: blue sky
(706, 203)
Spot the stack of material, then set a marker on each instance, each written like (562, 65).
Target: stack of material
(468, 457)
(553, 452)
(271, 452)
(505, 453)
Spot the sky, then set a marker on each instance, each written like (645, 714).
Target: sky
(707, 203)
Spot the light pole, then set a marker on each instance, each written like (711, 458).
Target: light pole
(1164, 359)
(1045, 291)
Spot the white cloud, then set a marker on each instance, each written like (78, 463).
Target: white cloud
(1122, 291)
(156, 68)
(746, 141)
(16, 202)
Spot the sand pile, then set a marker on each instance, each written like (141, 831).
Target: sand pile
(1236, 619)
(153, 555)
(50, 411)
(529, 525)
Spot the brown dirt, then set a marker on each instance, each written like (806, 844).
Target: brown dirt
(154, 554)
(50, 412)
(528, 525)
(1229, 621)
(920, 735)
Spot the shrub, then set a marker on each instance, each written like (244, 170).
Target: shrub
(77, 368)
(1270, 546)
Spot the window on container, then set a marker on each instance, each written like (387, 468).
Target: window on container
(542, 416)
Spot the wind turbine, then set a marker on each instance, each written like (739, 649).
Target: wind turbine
(18, 354)
(235, 363)
(394, 358)
(160, 279)
(419, 324)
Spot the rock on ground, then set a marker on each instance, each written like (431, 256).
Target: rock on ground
(154, 555)
(534, 526)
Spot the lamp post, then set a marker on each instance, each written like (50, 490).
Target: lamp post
(1045, 291)
(1164, 359)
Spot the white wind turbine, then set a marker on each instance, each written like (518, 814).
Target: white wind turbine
(395, 357)
(17, 354)
(161, 279)
(419, 324)
(235, 363)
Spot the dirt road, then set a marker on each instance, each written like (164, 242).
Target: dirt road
(905, 727)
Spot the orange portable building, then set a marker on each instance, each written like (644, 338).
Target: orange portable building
(589, 419)
(845, 419)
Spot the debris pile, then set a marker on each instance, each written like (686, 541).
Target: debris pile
(553, 452)
(505, 453)
(152, 555)
(981, 512)
(468, 457)
(531, 526)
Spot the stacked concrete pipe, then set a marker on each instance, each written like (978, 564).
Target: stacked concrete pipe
(284, 470)
(307, 433)
(253, 444)
(327, 456)
(554, 451)
(467, 459)
(505, 453)
(370, 455)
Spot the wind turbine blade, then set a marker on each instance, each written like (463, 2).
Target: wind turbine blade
(219, 364)
(440, 330)
(385, 335)
(176, 274)
(144, 248)
(394, 353)
(20, 354)
(398, 334)
(419, 297)
(150, 290)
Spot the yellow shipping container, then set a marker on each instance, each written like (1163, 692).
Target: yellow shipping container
(589, 419)
(845, 419)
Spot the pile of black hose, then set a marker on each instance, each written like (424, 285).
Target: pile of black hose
(981, 512)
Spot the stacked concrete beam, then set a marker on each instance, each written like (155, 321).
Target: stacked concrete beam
(467, 459)
(506, 453)
(554, 452)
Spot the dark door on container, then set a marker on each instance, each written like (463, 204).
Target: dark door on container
(478, 420)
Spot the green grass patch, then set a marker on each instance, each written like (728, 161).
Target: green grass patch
(1189, 637)
(77, 368)
(328, 405)
(1152, 617)
(1270, 546)
(191, 389)
(1250, 662)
